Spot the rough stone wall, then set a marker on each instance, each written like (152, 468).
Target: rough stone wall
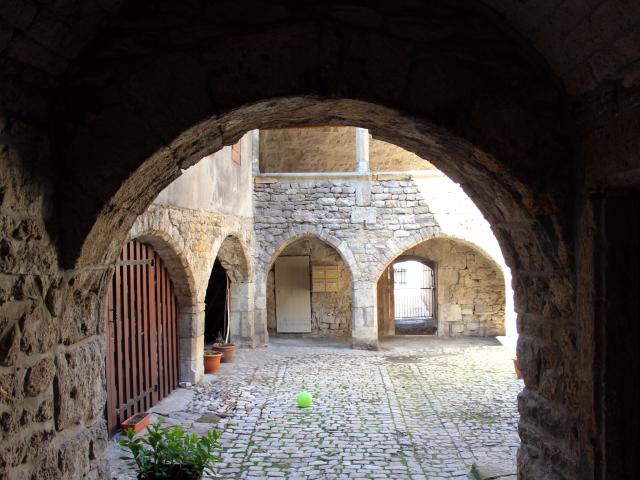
(311, 149)
(329, 149)
(470, 288)
(396, 218)
(330, 311)
(372, 219)
(387, 157)
(51, 344)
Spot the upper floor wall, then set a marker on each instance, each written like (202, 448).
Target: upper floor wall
(329, 149)
(220, 183)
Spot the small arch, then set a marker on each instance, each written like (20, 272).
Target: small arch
(308, 231)
(179, 269)
(330, 288)
(231, 316)
(471, 298)
(400, 252)
(232, 255)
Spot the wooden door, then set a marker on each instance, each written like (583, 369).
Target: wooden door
(142, 347)
(293, 294)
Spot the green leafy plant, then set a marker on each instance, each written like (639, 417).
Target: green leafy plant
(221, 339)
(169, 452)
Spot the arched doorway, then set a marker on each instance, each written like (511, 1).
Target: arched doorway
(450, 283)
(309, 290)
(490, 134)
(228, 298)
(414, 297)
(216, 302)
(141, 322)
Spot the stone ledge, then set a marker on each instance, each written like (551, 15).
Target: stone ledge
(493, 472)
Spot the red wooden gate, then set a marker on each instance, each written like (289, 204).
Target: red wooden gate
(142, 353)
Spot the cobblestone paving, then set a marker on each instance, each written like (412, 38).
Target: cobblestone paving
(420, 408)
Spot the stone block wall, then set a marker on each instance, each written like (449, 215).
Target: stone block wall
(330, 311)
(470, 288)
(310, 149)
(370, 220)
(373, 219)
(52, 382)
(329, 149)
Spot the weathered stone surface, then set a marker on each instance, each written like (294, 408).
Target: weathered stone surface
(330, 311)
(39, 377)
(79, 384)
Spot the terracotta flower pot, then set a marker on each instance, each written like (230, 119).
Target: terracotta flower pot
(227, 350)
(516, 367)
(212, 362)
(136, 423)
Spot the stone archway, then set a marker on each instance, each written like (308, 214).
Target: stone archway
(232, 254)
(527, 244)
(487, 124)
(347, 268)
(470, 286)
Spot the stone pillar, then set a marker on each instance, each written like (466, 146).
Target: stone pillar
(362, 150)
(191, 342)
(260, 314)
(241, 314)
(255, 151)
(364, 328)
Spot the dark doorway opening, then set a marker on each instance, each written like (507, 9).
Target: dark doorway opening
(414, 304)
(215, 303)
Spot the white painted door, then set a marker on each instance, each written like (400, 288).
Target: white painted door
(293, 294)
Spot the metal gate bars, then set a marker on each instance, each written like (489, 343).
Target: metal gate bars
(142, 347)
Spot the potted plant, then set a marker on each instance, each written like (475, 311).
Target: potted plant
(135, 423)
(169, 452)
(223, 346)
(212, 361)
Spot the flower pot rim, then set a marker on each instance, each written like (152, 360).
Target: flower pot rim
(129, 421)
(218, 345)
(212, 353)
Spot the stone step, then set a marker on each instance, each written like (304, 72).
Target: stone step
(493, 472)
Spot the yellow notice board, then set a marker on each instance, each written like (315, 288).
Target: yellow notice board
(324, 279)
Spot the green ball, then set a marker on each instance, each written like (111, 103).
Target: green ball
(304, 399)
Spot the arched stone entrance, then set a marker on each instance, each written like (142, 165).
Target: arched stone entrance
(232, 256)
(189, 309)
(330, 290)
(266, 257)
(489, 121)
(470, 288)
(524, 242)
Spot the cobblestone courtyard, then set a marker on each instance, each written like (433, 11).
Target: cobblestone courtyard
(419, 408)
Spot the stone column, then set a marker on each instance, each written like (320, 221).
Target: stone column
(362, 150)
(191, 342)
(260, 313)
(255, 151)
(364, 328)
(241, 314)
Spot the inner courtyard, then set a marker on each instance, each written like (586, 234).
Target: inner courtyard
(419, 408)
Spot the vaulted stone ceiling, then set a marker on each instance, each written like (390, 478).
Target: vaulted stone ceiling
(585, 42)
